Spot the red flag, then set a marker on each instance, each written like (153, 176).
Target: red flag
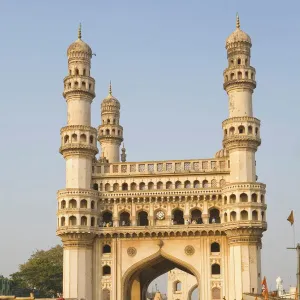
(265, 291)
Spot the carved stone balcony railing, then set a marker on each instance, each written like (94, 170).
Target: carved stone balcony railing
(161, 167)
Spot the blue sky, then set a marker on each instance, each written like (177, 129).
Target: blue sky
(165, 60)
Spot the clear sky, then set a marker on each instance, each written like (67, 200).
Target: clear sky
(165, 60)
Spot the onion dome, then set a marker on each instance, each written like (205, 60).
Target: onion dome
(238, 35)
(222, 153)
(110, 99)
(79, 45)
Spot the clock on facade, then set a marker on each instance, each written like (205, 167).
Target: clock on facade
(160, 215)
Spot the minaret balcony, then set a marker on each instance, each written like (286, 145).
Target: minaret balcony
(78, 149)
(79, 84)
(241, 141)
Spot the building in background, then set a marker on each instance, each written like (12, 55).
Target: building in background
(5, 286)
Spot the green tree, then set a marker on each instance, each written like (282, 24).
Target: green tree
(42, 272)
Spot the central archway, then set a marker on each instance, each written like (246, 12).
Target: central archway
(137, 279)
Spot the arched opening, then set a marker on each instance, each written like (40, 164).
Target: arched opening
(150, 185)
(63, 204)
(232, 198)
(95, 186)
(76, 71)
(107, 218)
(233, 216)
(66, 139)
(240, 75)
(256, 131)
(83, 138)
(108, 121)
(216, 293)
(124, 187)
(124, 218)
(107, 187)
(83, 221)
(72, 221)
(107, 132)
(93, 205)
(214, 183)
(244, 215)
(215, 247)
(241, 129)
(243, 197)
(246, 75)
(106, 294)
(262, 199)
(178, 184)
(196, 216)
(91, 139)
(205, 184)
(133, 186)
(142, 186)
(222, 182)
(231, 76)
(187, 184)
(263, 216)
(143, 218)
(214, 216)
(254, 197)
(225, 217)
(139, 279)
(62, 221)
(225, 200)
(196, 184)
(239, 61)
(159, 185)
(250, 130)
(215, 269)
(115, 187)
(178, 217)
(72, 203)
(113, 131)
(106, 249)
(254, 215)
(169, 185)
(83, 203)
(74, 138)
(231, 130)
(177, 286)
(83, 84)
(106, 271)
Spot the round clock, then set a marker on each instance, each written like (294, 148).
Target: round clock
(160, 215)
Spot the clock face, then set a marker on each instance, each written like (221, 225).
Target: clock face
(160, 215)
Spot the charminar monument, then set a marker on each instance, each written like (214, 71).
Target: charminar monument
(123, 224)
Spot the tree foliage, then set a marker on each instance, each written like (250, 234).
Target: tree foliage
(42, 272)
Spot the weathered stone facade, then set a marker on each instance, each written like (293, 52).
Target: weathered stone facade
(125, 223)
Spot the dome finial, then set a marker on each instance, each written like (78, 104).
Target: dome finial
(110, 89)
(238, 25)
(79, 31)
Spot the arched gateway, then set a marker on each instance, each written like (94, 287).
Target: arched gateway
(125, 223)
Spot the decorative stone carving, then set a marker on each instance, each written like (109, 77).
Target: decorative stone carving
(131, 251)
(189, 250)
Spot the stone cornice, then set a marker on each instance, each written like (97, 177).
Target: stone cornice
(78, 149)
(81, 211)
(233, 84)
(74, 94)
(241, 141)
(241, 186)
(78, 127)
(244, 205)
(110, 138)
(76, 192)
(241, 119)
(74, 240)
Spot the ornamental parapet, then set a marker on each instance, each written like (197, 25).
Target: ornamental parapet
(234, 84)
(159, 193)
(171, 168)
(240, 120)
(77, 129)
(77, 192)
(241, 141)
(79, 84)
(147, 231)
(242, 186)
(75, 240)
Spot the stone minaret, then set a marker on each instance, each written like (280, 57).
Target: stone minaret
(77, 202)
(244, 208)
(110, 132)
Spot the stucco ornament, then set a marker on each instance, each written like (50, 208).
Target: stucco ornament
(160, 215)
(131, 251)
(189, 250)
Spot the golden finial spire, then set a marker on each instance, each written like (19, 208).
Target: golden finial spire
(110, 89)
(79, 31)
(238, 25)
